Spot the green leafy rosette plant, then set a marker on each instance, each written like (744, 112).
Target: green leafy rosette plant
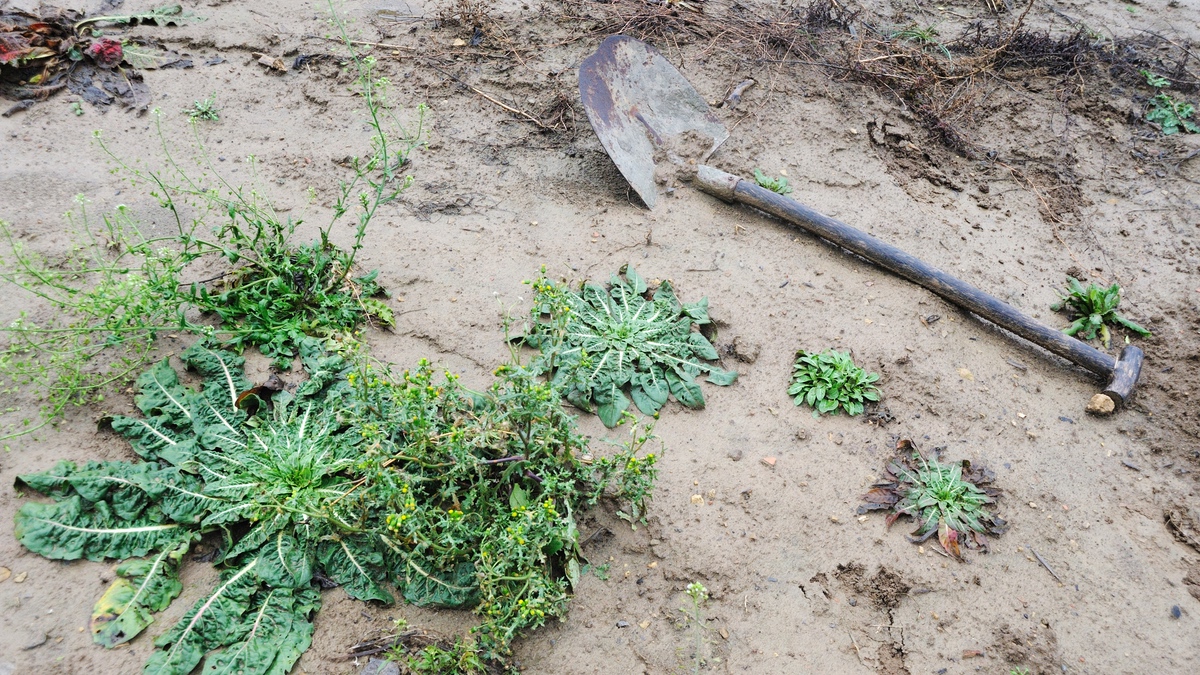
(1094, 307)
(949, 500)
(359, 477)
(605, 346)
(209, 466)
(829, 380)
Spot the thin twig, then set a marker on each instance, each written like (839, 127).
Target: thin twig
(1044, 564)
(485, 95)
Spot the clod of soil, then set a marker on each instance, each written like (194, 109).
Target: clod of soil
(1035, 648)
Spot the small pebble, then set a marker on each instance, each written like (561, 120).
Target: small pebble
(1176, 612)
(622, 624)
(834, 519)
(735, 455)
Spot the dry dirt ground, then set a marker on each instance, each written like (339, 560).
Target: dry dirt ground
(1065, 178)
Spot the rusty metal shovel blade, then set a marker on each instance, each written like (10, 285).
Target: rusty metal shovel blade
(639, 104)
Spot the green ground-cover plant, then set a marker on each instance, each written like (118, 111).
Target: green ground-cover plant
(776, 185)
(924, 36)
(605, 346)
(360, 476)
(203, 110)
(951, 501)
(120, 289)
(1171, 114)
(829, 380)
(490, 486)
(1094, 307)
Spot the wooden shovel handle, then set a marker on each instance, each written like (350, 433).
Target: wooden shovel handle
(733, 189)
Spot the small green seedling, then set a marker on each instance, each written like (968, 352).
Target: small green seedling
(1171, 114)
(829, 380)
(1094, 307)
(924, 36)
(948, 500)
(777, 185)
(1155, 80)
(203, 110)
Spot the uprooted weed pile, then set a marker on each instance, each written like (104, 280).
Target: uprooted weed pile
(949, 84)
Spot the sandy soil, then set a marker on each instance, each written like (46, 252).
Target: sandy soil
(799, 583)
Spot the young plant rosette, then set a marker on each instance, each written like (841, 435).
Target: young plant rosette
(828, 381)
(605, 346)
(949, 500)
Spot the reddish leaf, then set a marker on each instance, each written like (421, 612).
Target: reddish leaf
(892, 519)
(106, 52)
(881, 496)
(949, 539)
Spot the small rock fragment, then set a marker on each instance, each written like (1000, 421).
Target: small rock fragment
(378, 666)
(20, 577)
(271, 62)
(736, 454)
(1176, 612)
(645, 624)
(622, 624)
(966, 374)
(35, 641)
(834, 519)
(724, 633)
(5, 573)
(768, 461)
(698, 499)
(1101, 405)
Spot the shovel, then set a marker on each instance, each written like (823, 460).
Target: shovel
(644, 112)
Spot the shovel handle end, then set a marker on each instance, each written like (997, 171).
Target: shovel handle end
(1125, 376)
(716, 182)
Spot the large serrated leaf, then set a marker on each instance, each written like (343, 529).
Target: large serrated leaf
(285, 562)
(685, 389)
(279, 631)
(121, 484)
(155, 438)
(457, 588)
(142, 587)
(167, 15)
(67, 530)
(149, 57)
(213, 622)
(356, 565)
(612, 406)
(161, 395)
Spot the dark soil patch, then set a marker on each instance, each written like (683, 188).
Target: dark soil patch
(1035, 648)
(885, 589)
